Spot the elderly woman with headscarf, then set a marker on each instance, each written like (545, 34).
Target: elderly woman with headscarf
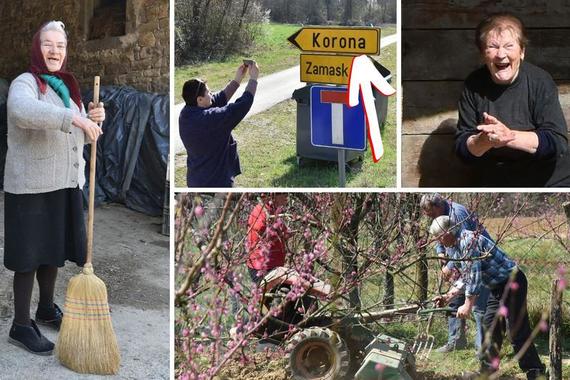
(510, 119)
(43, 178)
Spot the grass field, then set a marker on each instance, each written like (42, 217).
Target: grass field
(267, 141)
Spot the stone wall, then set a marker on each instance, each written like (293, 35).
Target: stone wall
(139, 58)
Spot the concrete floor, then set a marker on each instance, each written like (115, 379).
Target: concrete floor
(132, 258)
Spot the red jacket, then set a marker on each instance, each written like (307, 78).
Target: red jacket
(266, 244)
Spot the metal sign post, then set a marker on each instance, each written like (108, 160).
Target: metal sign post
(341, 168)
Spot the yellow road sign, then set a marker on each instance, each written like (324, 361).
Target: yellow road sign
(338, 40)
(321, 68)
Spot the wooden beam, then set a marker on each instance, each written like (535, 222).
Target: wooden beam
(437, 14)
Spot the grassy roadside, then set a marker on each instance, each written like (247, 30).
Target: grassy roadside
(273, 53)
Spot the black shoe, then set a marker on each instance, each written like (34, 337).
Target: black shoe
(535, 374)
(49, 316)
(30, 338)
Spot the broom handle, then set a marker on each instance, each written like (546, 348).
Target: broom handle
(92, 168)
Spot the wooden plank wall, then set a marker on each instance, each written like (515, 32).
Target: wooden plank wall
(438, 52)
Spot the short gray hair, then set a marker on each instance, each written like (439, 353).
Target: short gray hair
(443, 224)
(55, 26)
(430, 200)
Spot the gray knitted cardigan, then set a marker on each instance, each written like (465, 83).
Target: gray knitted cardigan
(45, 152)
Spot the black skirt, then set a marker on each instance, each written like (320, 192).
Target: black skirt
(44, 229)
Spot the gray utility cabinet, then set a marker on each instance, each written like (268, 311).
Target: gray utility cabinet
(304, 148)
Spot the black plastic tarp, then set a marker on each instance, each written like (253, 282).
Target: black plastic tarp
(132, 153)
(4, 86)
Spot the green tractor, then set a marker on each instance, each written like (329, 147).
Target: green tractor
(335, 345)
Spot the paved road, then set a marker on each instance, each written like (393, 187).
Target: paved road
(271, 89)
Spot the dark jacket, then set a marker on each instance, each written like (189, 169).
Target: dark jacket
(530, 103)
(207, 136)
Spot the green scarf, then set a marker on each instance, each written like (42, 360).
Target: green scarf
(59, 87)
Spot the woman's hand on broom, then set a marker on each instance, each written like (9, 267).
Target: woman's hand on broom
(96, 114)
(92, 131)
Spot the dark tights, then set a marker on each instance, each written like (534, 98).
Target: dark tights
(23, 286)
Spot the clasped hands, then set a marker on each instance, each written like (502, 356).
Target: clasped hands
(496, 133)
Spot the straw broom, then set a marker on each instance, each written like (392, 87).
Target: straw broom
(87, 342)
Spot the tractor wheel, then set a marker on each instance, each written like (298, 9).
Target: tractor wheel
(317, 353)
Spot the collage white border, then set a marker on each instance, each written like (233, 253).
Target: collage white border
(397, 189)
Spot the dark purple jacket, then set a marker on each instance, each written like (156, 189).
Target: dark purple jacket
(207, 136)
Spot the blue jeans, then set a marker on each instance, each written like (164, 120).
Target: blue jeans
(478, 314)
(456, 326)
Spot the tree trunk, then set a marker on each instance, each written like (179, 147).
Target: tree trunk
(329, 10)
(388, 299)
(347, 11)
(422, 265)
(287, 10)
(346, 240)
(243, 12)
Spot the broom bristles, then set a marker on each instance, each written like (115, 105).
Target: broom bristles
(87, 342)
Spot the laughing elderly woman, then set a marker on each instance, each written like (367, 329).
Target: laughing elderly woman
(44, 174)
(510, 121)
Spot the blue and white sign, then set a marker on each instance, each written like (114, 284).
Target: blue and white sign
(333, 123)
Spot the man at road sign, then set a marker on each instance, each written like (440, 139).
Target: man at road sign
(205, 126)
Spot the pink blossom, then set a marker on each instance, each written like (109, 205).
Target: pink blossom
(199, 211)
(495, 363)
(562, 284)
(503, 311)
(543, 325)
(185, 332)
(515, 286)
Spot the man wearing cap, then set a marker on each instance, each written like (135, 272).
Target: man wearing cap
(485, 265)
(206, 123)
(434, 205)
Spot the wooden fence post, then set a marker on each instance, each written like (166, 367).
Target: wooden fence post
(555, 348)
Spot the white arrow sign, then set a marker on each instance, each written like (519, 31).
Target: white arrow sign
(363, 75)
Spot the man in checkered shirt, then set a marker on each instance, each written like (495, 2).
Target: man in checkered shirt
(484, 264)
